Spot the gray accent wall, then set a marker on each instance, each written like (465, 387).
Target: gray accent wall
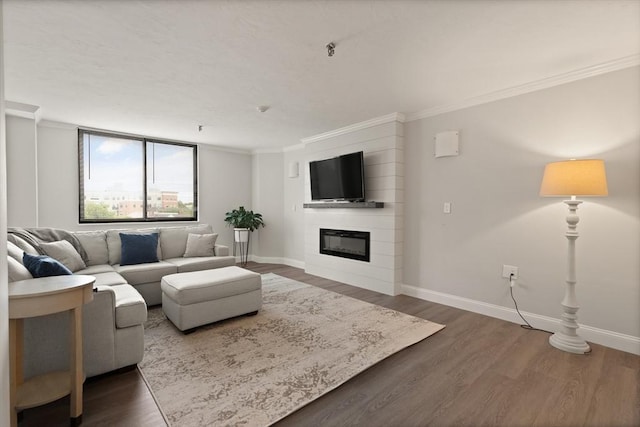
(498, 218)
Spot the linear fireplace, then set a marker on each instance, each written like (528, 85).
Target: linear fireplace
(345, 243)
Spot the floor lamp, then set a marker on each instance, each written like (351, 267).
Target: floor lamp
(572, 178)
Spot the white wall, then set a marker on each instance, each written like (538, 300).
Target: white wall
(293, 213)
(267, 195)
(22, 172)
(224, 182)
(4, 295)
(57, 161)
(498, 218)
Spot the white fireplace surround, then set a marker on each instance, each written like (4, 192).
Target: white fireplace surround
(382, 144)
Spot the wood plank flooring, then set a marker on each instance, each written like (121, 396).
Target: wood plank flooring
(478, 371)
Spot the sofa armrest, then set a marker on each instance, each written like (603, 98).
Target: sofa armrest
(46, 338)
(131, 310)
(126, 304)
(222, 250)
(103, 307)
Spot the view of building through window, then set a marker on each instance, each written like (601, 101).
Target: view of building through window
(113, 182)
(169, 180)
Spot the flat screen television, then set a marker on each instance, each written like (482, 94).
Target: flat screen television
(338, 178)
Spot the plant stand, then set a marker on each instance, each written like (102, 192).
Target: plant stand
(241, 239)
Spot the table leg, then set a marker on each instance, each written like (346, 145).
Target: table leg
(16, 343)
(76, 365)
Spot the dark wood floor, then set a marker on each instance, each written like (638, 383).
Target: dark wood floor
(477, 371)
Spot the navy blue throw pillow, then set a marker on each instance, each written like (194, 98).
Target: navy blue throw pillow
(44, 266)
(139, 248)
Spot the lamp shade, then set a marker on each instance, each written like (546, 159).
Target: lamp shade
(574, 178)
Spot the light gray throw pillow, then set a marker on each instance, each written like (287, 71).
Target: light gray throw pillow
(64, 252)
(173, 240)
(95, 245)
(200, 245)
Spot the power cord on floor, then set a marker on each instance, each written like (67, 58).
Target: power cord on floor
(527, 325)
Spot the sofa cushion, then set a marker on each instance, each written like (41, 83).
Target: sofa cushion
(201, 263)
(16, 270)
(145, 273)
(95, 245)
(173, 240)
(221, 250)
(110, 278)
(14, 251)
(95, 269)
(22, 244)
(115, 245)
(139, 248)
(200, 245)
(64, 252)
(44, 266)
(131, 309)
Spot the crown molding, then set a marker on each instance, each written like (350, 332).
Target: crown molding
(57, 125)
(393, 117)
(285, 149)
(277, 150)
(583, 73)
(212, 147)
(293, 147)
(19, 109)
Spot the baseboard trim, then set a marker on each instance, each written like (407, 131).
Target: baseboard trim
(604, 337)
(275, 260)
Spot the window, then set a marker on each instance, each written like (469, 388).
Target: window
(136, 179)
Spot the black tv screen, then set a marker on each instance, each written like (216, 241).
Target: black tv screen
(338, 178)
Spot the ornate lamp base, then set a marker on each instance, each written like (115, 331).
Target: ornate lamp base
(568, 343)
(567, 338)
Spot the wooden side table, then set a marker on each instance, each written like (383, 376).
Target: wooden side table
(39, 297)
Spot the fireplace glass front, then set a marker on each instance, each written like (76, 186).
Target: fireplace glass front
(345, 243)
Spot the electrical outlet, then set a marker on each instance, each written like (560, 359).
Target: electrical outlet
(508, 270)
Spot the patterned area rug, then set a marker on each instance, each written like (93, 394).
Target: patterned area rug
(254, 371)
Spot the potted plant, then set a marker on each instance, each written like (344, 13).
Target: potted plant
(243, 222)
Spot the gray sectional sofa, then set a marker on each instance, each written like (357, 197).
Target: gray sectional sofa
(113, 335)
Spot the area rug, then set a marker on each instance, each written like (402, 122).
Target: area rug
(254, 371)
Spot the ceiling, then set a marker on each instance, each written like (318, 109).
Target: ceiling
(162, 67)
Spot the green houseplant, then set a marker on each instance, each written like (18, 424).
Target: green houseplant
(243, 223)
(242, 218)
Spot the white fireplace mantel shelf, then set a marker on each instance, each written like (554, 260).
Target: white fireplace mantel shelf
(343, 205)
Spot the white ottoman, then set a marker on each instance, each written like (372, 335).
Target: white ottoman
(196, 298)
